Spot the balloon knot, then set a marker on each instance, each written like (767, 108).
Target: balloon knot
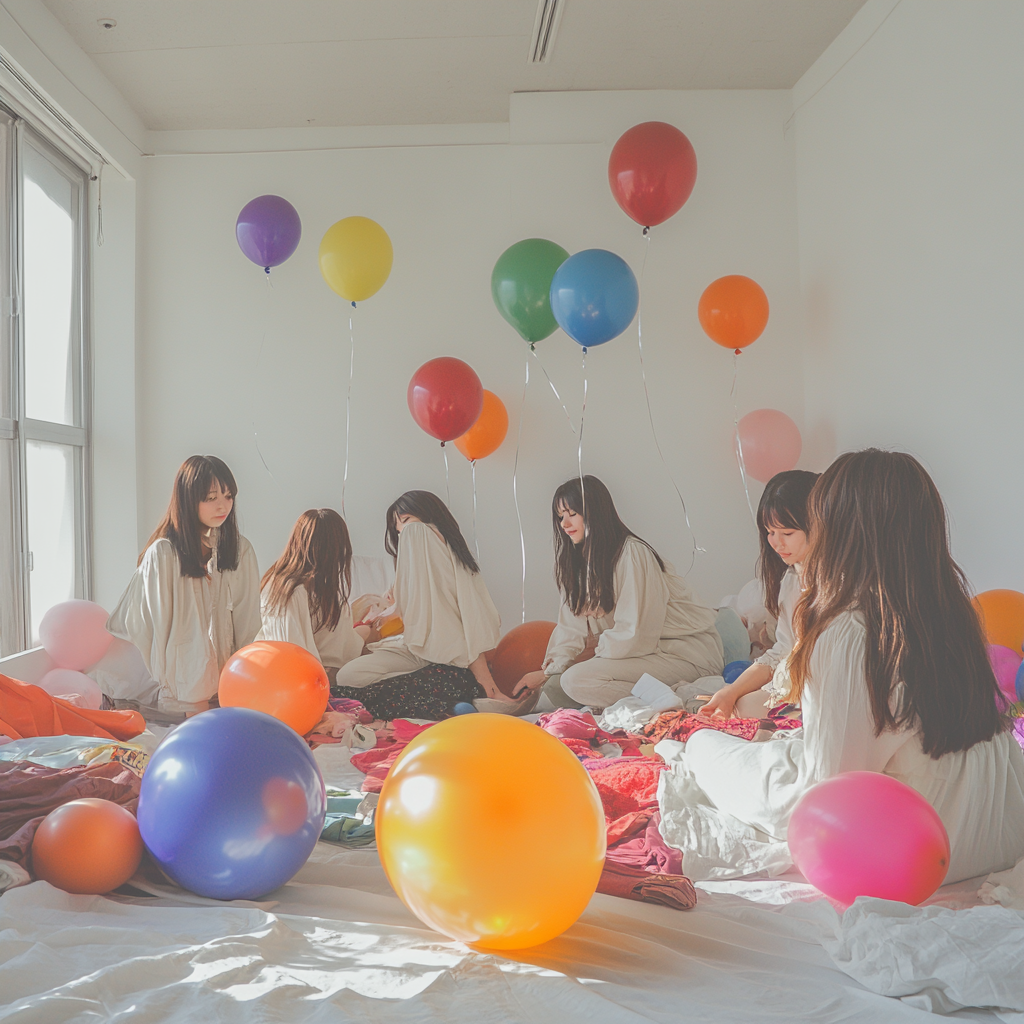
(442, 444)
(353, 305)
(647, 230)
(584, 349)
(739, 351)
(266, 270)
(533, 347)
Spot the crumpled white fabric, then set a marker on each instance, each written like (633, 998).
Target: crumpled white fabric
(344, 728)
(1005, 887)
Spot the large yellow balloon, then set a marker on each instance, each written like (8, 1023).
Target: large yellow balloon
(491, 831)
(356, 257)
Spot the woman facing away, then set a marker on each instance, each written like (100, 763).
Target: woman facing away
(618, 591)
(782, 526)
(304, 597)
(194, 599)
(891, 672)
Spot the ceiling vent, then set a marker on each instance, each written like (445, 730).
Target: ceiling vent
(545, 27)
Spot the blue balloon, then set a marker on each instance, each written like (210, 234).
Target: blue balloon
(734, 670)
(594, 296)
(1020, 682)
(232, 804)
(464, 708)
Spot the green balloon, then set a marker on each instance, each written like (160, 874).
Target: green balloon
(521, 286)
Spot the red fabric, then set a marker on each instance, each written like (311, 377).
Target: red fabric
(376, 764)
(579, 731)
(681, 725)
(647, 849)
(27, 710)
(404, 731)
(675, 891)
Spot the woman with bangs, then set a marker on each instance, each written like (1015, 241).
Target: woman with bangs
(194, 599)
(304, 598)
(892, 675)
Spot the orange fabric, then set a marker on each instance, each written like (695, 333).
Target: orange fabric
(27, 710)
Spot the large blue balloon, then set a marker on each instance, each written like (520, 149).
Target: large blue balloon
(594, 296)
(232, 804)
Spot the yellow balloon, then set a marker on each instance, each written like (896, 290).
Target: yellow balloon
(491, 831)
(356, 257)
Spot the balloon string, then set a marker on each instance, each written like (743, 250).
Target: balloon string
(447, 483)
(650, 413)
(476, 541)
(348, 408)
(515, 486)
(568, 418)
(736, 435)
(579, 450)
(256, 376)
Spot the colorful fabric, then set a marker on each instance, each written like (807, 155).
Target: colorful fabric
(579, 731)
(430, 692)
(350, 707)
(376, 764)
(674, 891)
(681, 725)
(647, 850)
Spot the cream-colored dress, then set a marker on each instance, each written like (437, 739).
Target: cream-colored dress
(726, 803)
(184, 628)
(448, 615)
(657, 626)
(293, 623)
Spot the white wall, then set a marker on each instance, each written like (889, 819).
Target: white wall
(451, 210)
(910, 166)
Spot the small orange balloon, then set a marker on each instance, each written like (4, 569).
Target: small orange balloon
(486, 435)
(87, 846)
(1002, 617)
(391, 626)
(519, 651)
(503, 859)
(278, 678)
(733, 311)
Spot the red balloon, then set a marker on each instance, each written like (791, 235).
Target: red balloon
(652, 171)
(445, 397)
(519, 651)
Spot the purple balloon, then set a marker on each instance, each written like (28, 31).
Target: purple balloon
(268, 230)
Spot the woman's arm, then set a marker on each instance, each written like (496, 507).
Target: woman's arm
(723, 703)
(482, 674)
(567, 641)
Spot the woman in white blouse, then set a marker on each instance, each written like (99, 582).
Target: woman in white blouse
(194, 599)
(619, 595)
(305, 593)
(891, 672)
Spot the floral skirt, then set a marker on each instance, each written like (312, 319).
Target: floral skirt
(430, 692)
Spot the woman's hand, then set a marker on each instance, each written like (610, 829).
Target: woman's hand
(482, 674)
(531, 681)
(721, 704)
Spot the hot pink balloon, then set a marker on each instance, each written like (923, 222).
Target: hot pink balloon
(1005, 663)
(60, 682)
(74, 634)
(867, 834)
(771, 443)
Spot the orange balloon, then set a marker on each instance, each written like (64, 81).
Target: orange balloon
(391, 626)
(87, 846)
(278, 678)
(500, 858)
(1002, 617)
(519, 651)
(486, 435)
(733, 311)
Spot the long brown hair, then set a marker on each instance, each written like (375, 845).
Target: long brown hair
(783, 503)
(585, 572)
(181, 526)
(428, 508)
(880, 546)
(319, 557)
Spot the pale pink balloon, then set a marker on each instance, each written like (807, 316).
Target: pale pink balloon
(60, 682)
(74, 634)
(770, 441)
(867, 834)
(1005, 663)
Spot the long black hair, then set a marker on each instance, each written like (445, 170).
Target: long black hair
(428, 508)
(783, 503)
(585, 572)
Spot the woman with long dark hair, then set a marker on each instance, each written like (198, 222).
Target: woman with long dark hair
(448, 616)
(304, 598)
(891, 671)
(618, 591)
(194, 599)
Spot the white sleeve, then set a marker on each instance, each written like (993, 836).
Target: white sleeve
(244, 588)
(641, 601)
(291, 623)
(567, 641)
(789, 595)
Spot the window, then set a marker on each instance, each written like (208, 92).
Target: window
(44, 414)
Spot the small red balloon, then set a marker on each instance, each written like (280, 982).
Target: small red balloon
(445, 397)
(652, 171)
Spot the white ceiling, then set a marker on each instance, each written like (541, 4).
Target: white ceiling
(188, 64)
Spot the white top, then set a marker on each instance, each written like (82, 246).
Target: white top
(186, 628)
(726, 802)
(785, 638)
(293, 623)
(447, 613)
(651, 606)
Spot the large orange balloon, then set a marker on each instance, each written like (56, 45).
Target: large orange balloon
(1002, 617)
(278, 678)
(733, 311)
(486, 435)
(87, 846)
(483, 853)
(519, 651)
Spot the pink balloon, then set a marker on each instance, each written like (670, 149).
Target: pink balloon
(74, 634)
(867, 834)
(1005, 662)
(770, 442)
(60, 682)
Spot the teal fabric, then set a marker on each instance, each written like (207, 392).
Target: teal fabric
(342, 826)
(735, 638)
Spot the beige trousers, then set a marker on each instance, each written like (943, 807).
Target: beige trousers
(379, 665)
